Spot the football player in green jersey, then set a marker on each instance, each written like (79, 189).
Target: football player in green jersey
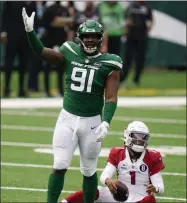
(91, 82)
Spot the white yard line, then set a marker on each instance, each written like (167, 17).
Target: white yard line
(122, 102)
(29, 113)
(23, 144)
(70, 168)
(27, 128)
(150, 120)
(153, 108)
(47, 149)
(67, 191)
(117, 118)
(48, 129)
(30, 189)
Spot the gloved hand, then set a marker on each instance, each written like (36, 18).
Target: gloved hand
(102, 131)
(28, 21)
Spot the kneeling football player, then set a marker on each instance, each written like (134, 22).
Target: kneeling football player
(136, 166)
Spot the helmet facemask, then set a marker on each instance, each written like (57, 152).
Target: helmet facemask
(137, 141)
(91, 42)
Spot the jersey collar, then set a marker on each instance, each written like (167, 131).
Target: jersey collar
(95, 56)
(129, 159)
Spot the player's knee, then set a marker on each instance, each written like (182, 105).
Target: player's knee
(88, 167)
(60, 164)
(88, 172)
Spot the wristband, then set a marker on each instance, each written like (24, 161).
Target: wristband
(109, 110)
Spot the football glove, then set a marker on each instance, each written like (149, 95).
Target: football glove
(102, 131)
(28, 21)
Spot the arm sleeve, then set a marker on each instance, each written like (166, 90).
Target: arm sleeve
(35, 42)
(108, 111)
(157, 182)
(108, 172)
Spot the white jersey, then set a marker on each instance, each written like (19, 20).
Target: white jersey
(135, 175)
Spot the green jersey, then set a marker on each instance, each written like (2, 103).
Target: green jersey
(85, 79)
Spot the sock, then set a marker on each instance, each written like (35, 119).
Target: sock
(77, 197)
(55, 186)
(90, 188)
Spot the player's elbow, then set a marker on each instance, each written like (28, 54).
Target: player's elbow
(160, 188)
(158, 183)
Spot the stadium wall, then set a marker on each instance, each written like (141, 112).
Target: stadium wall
(167, 43)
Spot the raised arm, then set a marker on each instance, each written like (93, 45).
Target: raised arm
(48, 54)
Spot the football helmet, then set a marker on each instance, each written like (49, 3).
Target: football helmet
(136, 136)
(93, 29)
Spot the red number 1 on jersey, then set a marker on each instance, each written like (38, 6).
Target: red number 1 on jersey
(133, 174)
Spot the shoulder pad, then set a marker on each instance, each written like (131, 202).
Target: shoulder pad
(113, 60)
(154, 155)
(156, 163)
(68, 49)
(116, 155)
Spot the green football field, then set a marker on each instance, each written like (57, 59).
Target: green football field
(26, 159)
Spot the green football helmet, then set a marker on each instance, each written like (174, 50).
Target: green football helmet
(94, 30)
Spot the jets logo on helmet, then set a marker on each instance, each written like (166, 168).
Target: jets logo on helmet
(90, 36)
(136, 136)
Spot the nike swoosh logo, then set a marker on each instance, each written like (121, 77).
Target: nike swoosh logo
(93, 127)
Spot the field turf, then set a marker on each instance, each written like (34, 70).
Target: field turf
(24, 172)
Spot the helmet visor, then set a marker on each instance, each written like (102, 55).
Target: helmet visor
(139, 138)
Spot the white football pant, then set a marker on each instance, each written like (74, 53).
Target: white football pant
(72, 131)
(106, 196)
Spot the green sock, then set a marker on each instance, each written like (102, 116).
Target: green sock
(89, 188)
(55, 186)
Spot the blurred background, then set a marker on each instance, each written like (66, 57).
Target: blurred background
(150, 37)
